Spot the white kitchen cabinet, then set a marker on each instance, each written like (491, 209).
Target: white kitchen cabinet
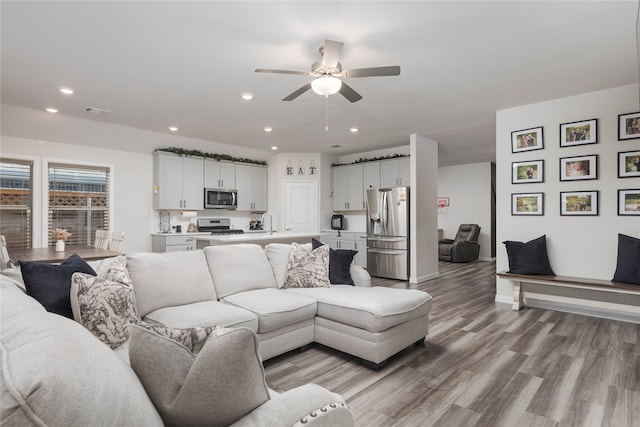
(173, 243)
(348, 188)
(251, 183)
(178, 182)
(349, 240)
(395, 172)
(219, 175)
(371, 175)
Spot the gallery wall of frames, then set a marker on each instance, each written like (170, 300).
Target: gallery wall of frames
(575, 167)
(569, 168)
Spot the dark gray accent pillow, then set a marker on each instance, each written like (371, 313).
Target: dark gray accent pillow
(529, 258)
(339, 264)
(50, 284)
(628, 265)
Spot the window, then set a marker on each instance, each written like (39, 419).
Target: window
(78, 201)
(16, 209)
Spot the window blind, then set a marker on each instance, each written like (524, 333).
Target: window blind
(16, 184)
(79, 198)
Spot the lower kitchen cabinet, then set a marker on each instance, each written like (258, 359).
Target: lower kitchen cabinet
(173, 243)
(349, 240)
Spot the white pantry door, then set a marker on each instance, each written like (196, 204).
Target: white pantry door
(300, 206)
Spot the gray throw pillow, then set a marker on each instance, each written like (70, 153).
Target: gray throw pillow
(307, 269)
(213, 387)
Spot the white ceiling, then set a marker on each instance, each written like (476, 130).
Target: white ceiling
(155, 64)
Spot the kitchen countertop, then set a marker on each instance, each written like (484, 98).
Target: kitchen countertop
(253, 236)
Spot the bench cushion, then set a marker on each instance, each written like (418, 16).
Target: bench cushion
(374, 309)
(203, 314)
(274, 308)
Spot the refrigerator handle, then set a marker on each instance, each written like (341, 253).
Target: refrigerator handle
(383, 214)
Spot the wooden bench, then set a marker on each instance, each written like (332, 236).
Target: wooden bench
(570, 282)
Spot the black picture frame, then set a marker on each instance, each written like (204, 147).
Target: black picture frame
(579, 133)
(579, 168)
(527, 204)
(527, 140)
(527, 172)
(629, 202)
(629, 164)
(628, 126)
(579, 203)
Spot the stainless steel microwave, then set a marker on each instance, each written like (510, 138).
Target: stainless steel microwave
(217, 198)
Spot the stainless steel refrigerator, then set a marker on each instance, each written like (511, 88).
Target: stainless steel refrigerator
(388, 232)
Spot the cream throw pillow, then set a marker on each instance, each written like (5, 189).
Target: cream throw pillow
(213, 387)
(307, 269)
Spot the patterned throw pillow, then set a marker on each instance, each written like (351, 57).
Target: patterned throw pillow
(192, 338)
(307, 269)
(105, 306)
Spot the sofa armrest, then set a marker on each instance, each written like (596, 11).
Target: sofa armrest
(360, 276)
(316, 405)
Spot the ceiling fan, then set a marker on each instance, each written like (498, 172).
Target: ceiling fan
(328, 72)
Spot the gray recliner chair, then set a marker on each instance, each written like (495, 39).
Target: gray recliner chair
(464, 248)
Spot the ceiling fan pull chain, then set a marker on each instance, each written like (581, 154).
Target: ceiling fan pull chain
(326, 113)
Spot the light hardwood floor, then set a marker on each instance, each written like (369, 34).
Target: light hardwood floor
(485, 365)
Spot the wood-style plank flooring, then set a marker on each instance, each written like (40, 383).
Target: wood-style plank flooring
(485, 365)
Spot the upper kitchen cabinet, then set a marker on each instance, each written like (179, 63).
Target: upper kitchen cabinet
(178, 181)
(219, 175)
(348, 188)
(251, 183)
(371, 175)
(395, 172)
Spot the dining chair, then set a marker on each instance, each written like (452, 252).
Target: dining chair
(102, 239)
(5, 261)
(115, 240)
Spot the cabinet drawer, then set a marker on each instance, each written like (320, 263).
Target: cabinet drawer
(180, 240)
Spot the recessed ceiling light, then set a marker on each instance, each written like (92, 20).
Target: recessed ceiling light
(273, 147)
(268, 129)
(335, 146)
(66, 90)
(353, 130)
(52, 110)
(247, 96)
(173, 128)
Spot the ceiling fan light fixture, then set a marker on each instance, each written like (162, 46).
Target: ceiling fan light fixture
(326, 85)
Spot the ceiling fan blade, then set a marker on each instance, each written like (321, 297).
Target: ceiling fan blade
(331, 53)
(298, 92)
(348, 92)
(266, 70)
(393, 70)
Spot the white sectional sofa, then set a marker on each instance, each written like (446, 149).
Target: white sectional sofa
(55, 372)
(241, 285)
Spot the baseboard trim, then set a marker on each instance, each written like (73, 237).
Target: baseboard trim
(424, 278)
(504, 299)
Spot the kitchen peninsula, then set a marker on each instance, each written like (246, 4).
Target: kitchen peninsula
(259, 238)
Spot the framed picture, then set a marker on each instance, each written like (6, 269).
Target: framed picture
(629, 164)
(579, 203)
(628, 126)
(527, 204)
(629, 202)
(527, 140)
(579, 168)
(579, 133)
(526, 172)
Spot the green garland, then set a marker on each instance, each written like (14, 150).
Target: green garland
(215, 156)
(372, 159)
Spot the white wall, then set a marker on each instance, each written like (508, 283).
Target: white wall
(132, 174)
(577, 246)
(468, 188)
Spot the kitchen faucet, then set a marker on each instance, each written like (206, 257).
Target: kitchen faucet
(270, 221)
